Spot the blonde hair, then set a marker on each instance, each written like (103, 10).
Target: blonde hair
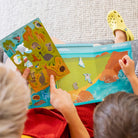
(14, 100)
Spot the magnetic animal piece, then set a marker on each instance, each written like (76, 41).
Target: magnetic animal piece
(17, 38)
(39, 103)
(81, 63)
(36, 97)
(35, 58)
(27, 34)
(33, 77)
(35, 44)
(37, 24)
(46, 57)
(37, 66)
(87, 77)
(49, 47)
(28, 64)
(42, 79)
(75, 85)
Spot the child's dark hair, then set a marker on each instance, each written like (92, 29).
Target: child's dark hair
(117, 116)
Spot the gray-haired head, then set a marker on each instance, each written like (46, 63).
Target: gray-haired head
(14, 100)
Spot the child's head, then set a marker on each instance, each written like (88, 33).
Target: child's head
(14, 100)
(117, 116)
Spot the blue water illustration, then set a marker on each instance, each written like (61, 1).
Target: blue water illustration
(44, 95)
(100, 89)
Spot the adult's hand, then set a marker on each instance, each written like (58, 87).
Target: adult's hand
(60, 99)
(26, 73)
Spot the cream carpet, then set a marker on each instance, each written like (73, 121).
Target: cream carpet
(68, 20)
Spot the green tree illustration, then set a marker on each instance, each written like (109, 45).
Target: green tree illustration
(8, 44)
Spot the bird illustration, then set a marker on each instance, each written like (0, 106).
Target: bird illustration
(35, 58)
(81, 63)
(87, 77)
(17, 38)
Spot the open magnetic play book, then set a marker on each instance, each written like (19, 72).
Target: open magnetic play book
(41, 56)
(94, 71)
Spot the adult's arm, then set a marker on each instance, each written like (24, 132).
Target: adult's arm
(61, 100)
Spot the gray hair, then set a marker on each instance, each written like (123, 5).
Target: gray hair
(14, 100)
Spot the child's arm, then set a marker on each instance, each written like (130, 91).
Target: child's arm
(62, 101)
(128, 67)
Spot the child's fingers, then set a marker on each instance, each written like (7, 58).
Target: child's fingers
(121, 64)
(52, 83)
(126, 58)
(26, 73)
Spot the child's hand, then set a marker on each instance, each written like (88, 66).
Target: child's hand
(61, 100)
(128, 66)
